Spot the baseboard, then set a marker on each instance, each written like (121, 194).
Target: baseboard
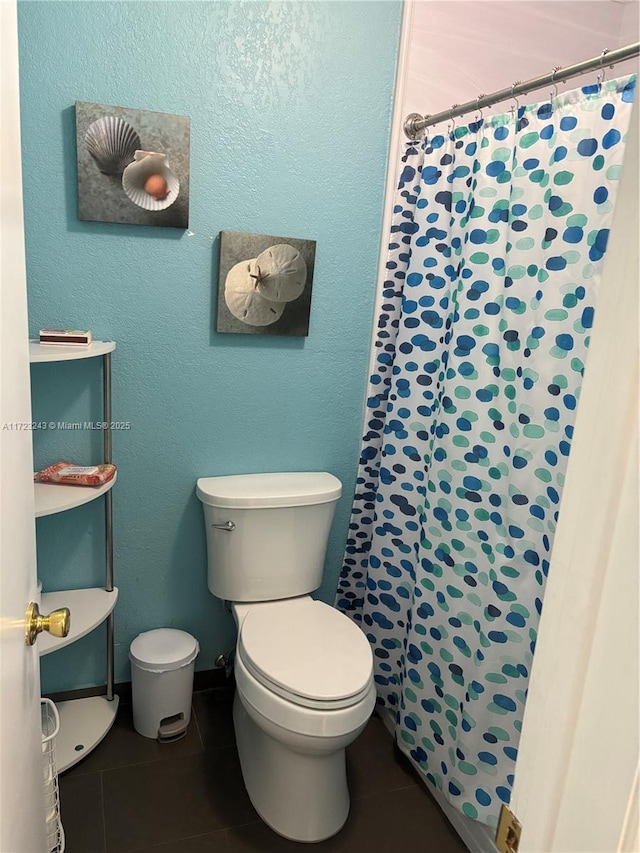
(212, 679)
(477, 837)
(206, 679)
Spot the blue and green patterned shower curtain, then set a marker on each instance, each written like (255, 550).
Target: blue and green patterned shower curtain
(497, 241)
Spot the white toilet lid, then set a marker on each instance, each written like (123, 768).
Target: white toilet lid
(308, 649)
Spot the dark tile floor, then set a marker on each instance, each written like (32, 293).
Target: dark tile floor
(133, 794)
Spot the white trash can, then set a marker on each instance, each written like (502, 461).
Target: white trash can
(162, 664)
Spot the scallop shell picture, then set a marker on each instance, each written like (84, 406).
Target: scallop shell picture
(243, 299)
(146, 165)
(264, 284)
(133, 166)
(112, 143)
(282, 273)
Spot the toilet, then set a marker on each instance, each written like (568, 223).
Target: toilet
(304, 671)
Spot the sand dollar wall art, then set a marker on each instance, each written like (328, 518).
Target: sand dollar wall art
(264, 285)
(133, 165)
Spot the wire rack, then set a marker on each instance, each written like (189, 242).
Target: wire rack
(53, 826)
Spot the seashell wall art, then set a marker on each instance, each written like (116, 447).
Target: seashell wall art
(112, 143)
(264, 284)
(150, 182)
(133, 165)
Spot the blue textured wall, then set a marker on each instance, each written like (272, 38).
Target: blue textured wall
(290, 107)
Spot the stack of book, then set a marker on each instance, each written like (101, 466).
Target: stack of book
(65, 337)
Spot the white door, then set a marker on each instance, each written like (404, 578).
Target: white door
(21, 785)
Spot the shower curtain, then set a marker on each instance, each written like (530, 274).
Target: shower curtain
(498, 234)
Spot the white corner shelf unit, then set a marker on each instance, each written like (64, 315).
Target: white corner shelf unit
(51, 498)
(83, 722)
(61, 352)
(90, 607)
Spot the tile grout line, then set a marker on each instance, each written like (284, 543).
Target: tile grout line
(381, 793)
(403, 787)
(194, 714)
(156, 760)
(229, 829)
(178, 841)
(104, 817)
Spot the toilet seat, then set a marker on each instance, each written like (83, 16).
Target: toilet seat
(294, 720)
(307, 652)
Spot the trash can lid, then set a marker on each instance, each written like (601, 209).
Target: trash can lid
(163, 649)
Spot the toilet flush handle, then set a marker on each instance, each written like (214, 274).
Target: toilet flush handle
(229, 526)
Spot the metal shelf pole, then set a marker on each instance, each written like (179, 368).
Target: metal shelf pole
(108, 518)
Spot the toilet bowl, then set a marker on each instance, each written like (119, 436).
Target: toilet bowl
(304, 671)
(304, 692)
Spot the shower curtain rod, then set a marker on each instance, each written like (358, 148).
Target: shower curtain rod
(414, 122)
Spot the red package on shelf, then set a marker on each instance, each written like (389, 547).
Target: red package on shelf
(68, 474)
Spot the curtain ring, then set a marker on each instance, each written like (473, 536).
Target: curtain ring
(554, 93)
(601, 76)
(515, 108)
(478, 108)
(452, 120)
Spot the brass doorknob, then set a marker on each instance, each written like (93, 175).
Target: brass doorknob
(58, 623)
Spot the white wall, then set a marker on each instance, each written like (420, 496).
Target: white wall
(460, 48)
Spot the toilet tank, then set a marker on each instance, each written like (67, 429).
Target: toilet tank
(267, 533)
